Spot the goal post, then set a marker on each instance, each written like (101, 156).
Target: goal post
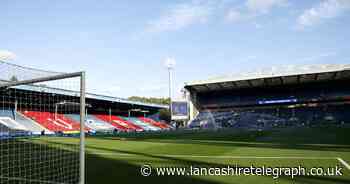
(82, 128)
(41, 142)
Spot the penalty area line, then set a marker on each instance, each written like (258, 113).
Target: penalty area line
(345, 164)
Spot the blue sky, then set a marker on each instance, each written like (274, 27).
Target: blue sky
(122, 45)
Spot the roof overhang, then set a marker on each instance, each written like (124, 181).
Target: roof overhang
(112, 99)
(280, 77)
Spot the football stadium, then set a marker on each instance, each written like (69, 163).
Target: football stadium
(175, 92)
(53, 131)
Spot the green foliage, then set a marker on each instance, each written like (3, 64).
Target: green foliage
(13, 78)
(164, 101)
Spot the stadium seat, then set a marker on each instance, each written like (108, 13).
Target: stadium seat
(12, 124)
(145, 126)
(31, 125)
(155, 123)
(60, 124)
(16, 121)
(93, 123)
(119, 123)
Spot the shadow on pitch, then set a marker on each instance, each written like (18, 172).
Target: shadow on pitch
(26, 161)
(185, 162)
(119, 170)
(109, 171)
(44, 161)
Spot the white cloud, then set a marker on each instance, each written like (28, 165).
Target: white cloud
(234, 16)
(252, 9)
(325, 10)
(181, 16)
(196, 12)
(264, 6)
(6, 55)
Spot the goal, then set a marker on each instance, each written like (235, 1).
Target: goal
(40, 142)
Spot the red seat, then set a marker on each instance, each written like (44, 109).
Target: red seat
(154, 123)
(52, 123)
(119, 123)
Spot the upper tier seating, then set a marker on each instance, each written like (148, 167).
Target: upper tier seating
(119, 123)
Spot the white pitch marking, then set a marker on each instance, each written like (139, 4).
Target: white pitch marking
(344, 163)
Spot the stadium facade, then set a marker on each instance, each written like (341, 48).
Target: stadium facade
(282, 97)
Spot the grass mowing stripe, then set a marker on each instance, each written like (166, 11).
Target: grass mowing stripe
(28, 180)
(223, 157)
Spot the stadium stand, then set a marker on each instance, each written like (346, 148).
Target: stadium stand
(119, 123)
(154, 117)
(12, 124)
(93, 123)
(6, 132)
(6, 118)
(31, 125)
(263, 118)
(145, 126)
(155, 123)
(47, 120)
(294, 96)
(9, 127)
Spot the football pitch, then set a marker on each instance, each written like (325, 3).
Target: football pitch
(118, 159)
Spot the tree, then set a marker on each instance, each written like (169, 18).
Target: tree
(164, 101)
(13, 78)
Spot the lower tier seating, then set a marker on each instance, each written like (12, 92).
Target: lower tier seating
(52, 122)
(119, 123)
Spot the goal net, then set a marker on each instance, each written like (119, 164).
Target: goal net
(42, 129)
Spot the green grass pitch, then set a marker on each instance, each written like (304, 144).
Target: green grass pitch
(118, 159)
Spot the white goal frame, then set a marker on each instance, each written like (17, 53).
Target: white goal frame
(81, 75)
